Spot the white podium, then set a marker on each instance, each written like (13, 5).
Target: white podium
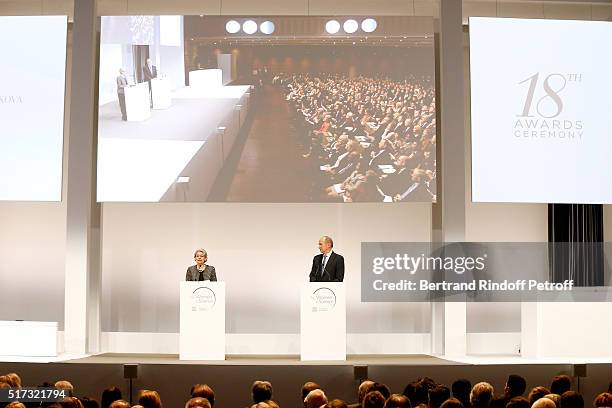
(589, 337)
(28, 339)
(202, 321)
(323, 321)
(160, 93)
(137, 102)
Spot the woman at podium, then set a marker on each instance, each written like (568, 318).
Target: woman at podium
(200, 271)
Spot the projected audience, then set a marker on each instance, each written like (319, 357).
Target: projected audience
(366, 139)
(421, 393)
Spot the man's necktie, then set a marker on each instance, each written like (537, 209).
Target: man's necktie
(323, 264)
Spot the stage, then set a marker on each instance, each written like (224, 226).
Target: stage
(142, 161)
(231, 379)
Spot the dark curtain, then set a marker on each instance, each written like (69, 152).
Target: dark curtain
(575, 234)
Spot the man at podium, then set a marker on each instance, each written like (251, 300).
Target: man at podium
(200, 271)
(328, 266)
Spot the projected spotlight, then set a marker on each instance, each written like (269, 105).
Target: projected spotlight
(232, 26)
(267, 27)
(332, 27)
(350, 26)
(369, 25)
(249, 27)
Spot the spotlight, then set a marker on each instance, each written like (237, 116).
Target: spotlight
(232, 26)
(267, 27)
(249, 27)
(332, 27)
(350, 26)
(369, 25)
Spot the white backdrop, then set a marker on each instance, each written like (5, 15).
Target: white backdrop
(262, 251)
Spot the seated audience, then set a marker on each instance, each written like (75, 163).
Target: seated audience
(560, 384)
(373, 399)
(571, 399)
(315, 399)
(481, 395)
(203, 391)
(536, 393)
(515, 387)
(261, 391)
(397, 401)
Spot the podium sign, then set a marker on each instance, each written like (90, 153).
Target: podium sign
(202, 321)
(323, 321)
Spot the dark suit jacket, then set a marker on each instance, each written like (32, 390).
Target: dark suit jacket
(193, 273)
(148, 73)
(334, 269)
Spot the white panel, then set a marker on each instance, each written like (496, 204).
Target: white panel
(567, 11)
(505, 344)
(523, 9)
(21, 7)
(264, 7)
(361, 7)
(32, 107)
(28, 339)
(183, 7)
(546, 114)
(602, 11)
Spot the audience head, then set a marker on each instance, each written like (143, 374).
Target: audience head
(373, 399)
(15, 404)
(364, 388)
(89, 403)
(198, 402)
(65, 385)
(70, 402)
(452, 403)
(481, 395)
(203, 391)
(416, 393)
(518, 402)
(461, 390)
(119, 404)
(603, 400)
(336, 403)
(536, 393)
(309, 386)
(556, 398)
(498, 401)
(109, 396)
(382, 388)
(438, 395)
(543, 403)
(315, 399)
(571, 399)
(560, 384)
(14, 380)
(397, 401)
(515, 386)
(149, 399)
(261, 391)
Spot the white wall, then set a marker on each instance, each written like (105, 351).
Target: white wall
(32, 247)
(262, 251)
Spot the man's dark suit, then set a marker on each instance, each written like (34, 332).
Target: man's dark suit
(334, 269)
(149, 74)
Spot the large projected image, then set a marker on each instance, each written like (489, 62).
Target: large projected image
(282, 109)
(540, 114)
(32, 84)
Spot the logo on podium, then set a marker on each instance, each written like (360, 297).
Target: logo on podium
(203, 299)
(323, 300)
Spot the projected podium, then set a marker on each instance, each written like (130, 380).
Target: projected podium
(137, 102)
(160, 93)
(323, 321)
(202, 321)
